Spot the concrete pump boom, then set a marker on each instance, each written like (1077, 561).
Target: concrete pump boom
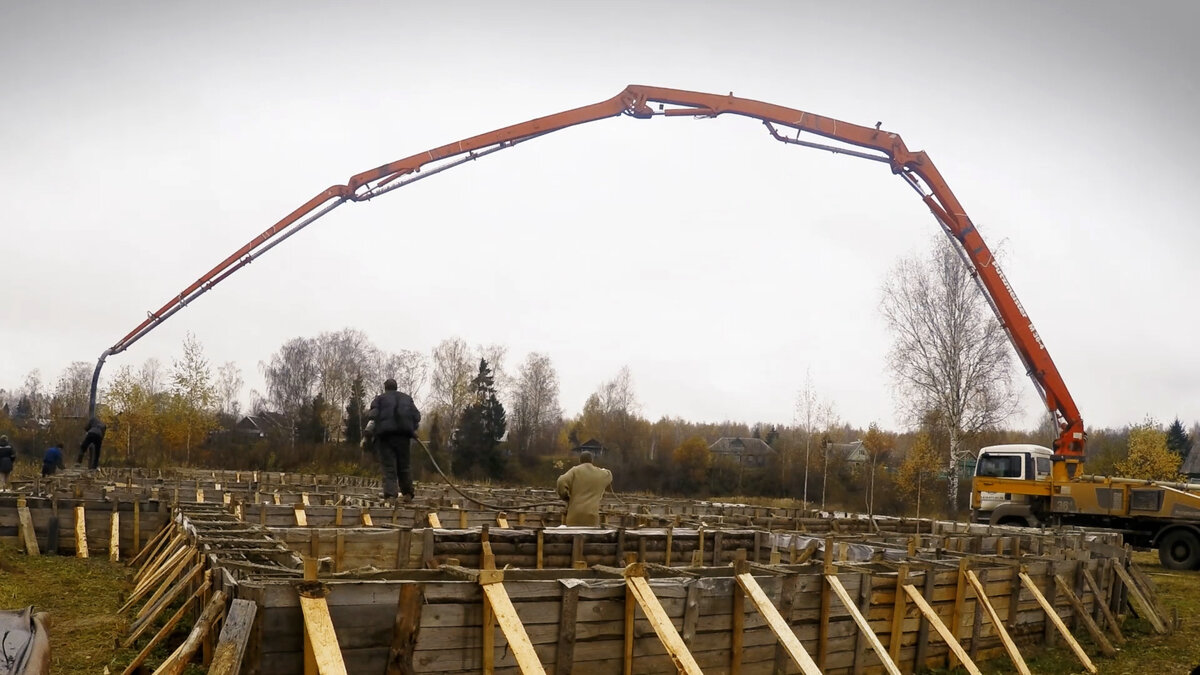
(639, 101)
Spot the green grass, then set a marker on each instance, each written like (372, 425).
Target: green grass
(82, 596)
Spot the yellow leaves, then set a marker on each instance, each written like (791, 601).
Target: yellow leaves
(692, 458)
(1149, 457)
(919, 470)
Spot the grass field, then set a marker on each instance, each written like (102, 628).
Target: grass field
(83, 596)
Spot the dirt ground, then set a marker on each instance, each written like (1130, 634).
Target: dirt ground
(83, 596)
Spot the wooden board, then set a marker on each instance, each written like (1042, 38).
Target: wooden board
(235, 634)
(1009, 646)
(942, 630)
(885, 655)
(778, 625)
(514, 631)
(320, 638)
(663, 627)
(1052, 615)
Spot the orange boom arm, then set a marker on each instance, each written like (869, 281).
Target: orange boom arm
(639, 101)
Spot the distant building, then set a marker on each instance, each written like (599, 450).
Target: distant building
(744, 451)
(261, 425)
(590, 445)
(851, 453)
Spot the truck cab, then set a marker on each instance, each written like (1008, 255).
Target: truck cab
(1017, 461)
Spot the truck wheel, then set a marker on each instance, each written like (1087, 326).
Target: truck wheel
(1179, 549)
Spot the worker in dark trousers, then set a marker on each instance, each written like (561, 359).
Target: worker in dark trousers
(91, 443)
(396, 420)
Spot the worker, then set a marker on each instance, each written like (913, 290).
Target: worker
(396, 420)
(53, 460)
(8, 457)
(582, 487)
(91, 442)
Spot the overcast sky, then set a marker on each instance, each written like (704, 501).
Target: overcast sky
(141, 143)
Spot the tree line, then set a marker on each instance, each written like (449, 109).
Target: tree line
(950, 361)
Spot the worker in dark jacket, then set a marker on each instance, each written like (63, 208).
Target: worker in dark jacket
(8, 457)
(396, 420)
(91, 442)
(53, 460)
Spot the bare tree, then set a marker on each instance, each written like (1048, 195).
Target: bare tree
(535, 407)
(150, 376)
(292, 376)
(812, 413)
(409, 368)
(453, 368)
(950, 353)
(340, 357)
(73, 389)
(39, 405)
(229, 388)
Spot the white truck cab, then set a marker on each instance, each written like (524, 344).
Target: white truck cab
(1022, 461)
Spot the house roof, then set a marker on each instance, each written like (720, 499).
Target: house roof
(741, 446)
(854, 452)
(591, 445)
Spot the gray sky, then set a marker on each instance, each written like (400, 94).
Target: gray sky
(144, 142)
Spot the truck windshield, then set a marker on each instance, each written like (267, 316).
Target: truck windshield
(999, 466)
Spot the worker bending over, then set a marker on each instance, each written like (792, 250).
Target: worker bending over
(583, 486)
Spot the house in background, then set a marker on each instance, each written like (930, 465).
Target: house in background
(853, 454)
(1191, 466)
(744, 451)
(590, 445)
(261, 425)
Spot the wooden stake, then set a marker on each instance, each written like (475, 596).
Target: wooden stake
(176, 662)
(235, 634)
(1009, 645)
(322, 656)
(889, 663)
(114, 538)
(1052, 616)
(1081, 613)
(779, 626)
(635, 581)
(1113, 625)
(942, 629)
(81, 547)
(898, 615)
(407, 628)
(1139, 602)
(28, 535)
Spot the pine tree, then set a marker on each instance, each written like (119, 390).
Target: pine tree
(1178, 440)
(355, 412)
(24, 407)
(482, 426)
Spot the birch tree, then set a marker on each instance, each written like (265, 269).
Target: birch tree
(535, 411)
(949, 352)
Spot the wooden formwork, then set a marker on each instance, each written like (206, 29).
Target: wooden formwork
(310, 574)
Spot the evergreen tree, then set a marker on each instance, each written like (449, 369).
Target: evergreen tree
(1178, 440)
(24, 407)
(311, 425)
(479, 432)
(355, 412)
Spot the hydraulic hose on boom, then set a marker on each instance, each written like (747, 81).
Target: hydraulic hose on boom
(639, 102)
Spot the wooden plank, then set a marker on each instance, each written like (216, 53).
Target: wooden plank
(135, 665)
(691, 613)
(137, 527)
(661, 622)
(779, 626)
(936, 621)
(864, 607)
(320, 641)
(179, 659)
(897, 615)
(826, 603)
(1081, 613)
(235, 635)
(114, 538)
(28, 535)
(488, 644)
(885, 655)
(564, 655)
(627, 653)
(1113, 625)
(81, 547)
(960, 598)
(1139, 601)
(434, 521)
(923, 626)
(737, 629)
(1052, 616)
(406, 630)
(514, 631)
(787, 594)
(301, 515)
(364, 516)
(1009, 646)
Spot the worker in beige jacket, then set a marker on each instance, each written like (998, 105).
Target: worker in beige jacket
(583, 486)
